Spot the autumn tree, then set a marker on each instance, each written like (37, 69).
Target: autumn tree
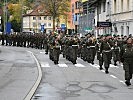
(56, 8)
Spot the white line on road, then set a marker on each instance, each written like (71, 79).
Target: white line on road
(42, 52)
(32, 91)
(113, 66)
(44, 64)
(113, 76)
(97, 67)
(79, 65)
(122, 81)
(62, 65)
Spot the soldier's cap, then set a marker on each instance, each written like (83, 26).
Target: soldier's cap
(114, 35)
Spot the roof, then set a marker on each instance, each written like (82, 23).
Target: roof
(38, 11)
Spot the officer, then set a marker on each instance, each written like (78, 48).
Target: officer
(126, 55)
(105, 50)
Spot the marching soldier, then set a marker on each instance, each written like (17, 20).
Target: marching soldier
(99, 55)
(116, 51)
(105, 50)
(126, 55)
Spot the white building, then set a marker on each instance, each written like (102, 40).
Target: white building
(118, 12)
(34, 19)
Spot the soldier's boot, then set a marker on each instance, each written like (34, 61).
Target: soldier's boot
(115, 63)
(56, 62)
(92, 62)
(106, 71)
(74, 62)
(127, 82)
(101, 68)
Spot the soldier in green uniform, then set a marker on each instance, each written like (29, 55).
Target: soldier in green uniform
(116, 50)
(126, 55)
(99, 55)
(105, 50)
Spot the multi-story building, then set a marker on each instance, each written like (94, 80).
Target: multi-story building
(86, 19)
(122, 16)
(35, 19)
(114, 16)
(75, 10)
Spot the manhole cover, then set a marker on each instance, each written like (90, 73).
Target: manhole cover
(96, 88)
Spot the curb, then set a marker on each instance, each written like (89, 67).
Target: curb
(35, 86)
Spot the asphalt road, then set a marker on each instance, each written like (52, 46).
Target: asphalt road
(18, 73)
(82, 81)
(65, 81)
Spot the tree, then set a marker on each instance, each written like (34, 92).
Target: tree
(56, 8)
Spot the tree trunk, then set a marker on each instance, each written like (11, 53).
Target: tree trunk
(53, 24)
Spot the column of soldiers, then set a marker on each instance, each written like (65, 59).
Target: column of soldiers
(38, 41)
(108, 49)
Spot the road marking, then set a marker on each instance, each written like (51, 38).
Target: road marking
(44, 65)
(34, 88)
(97, 67)
(113, 76)
(113, 66)
(42, 52)
(62, 65)
(79, 65)
(122, 81)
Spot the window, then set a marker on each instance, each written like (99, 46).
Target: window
(104, 6)
(49, 24)
(99, 9)
(108, 8)
(122, 30)
(49, 18)
(121, 5)
(76, 5)
(128, 4)
(114, 6)
(45, 24)
(34, 18)
(39, 24)
(72, 8)
(45, 17)
(127, 31)
(34, 24)
(39, 18)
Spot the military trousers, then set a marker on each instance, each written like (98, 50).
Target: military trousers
(128, 67)
(107, 59)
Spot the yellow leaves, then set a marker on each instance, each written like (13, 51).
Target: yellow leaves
(15, 11)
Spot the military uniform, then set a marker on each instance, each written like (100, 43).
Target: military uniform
(126, 55)
(106, 52)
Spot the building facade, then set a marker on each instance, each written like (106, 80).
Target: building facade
(37, 20)
(75, 11)
(118, 12)
(86, 20)
(122, 16)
